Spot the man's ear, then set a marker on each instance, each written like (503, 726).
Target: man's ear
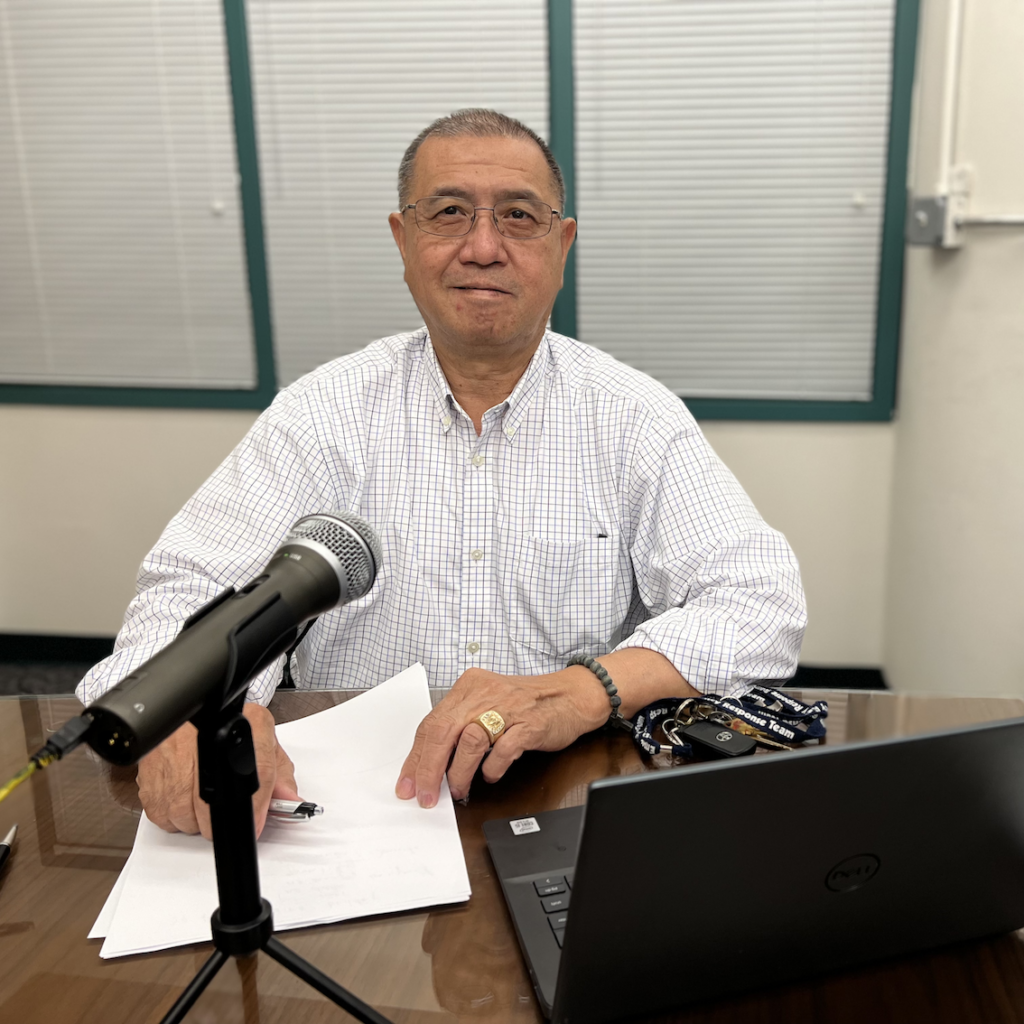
(568, 236)
(397, 223)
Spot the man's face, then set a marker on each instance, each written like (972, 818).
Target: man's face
(483, 289)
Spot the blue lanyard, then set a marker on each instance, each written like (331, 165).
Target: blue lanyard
(777, 714)
(644, 722)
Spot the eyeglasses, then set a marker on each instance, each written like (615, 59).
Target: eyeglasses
(452, 217)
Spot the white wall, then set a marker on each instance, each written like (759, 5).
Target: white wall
(826, 487)
(955, 609)
(84, 494)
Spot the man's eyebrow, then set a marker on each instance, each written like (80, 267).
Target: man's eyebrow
(517, 193)
(509, 193)
(452, 190)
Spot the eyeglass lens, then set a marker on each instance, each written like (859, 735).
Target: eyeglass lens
(515, 218)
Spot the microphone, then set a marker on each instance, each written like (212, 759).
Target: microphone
(325, 561)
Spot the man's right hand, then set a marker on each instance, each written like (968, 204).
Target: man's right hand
(169, 777)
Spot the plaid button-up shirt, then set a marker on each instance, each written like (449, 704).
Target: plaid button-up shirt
(589, 514)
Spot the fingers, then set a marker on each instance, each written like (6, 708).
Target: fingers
(436, 738)
(269, 758)
(472, 747)
(168, 778)
(507, 749)
(439, 740)
(168, 781)
(450, 730)
(285, 788)
(470, 752)
(200, 808)
(541, 712)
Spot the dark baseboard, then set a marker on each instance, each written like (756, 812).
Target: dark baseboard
(810, 678)
(36, 648)
(40, 649)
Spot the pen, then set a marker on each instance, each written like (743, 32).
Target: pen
(292, 809)
(5, 846)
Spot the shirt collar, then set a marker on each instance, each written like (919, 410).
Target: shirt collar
(443, 401)
(515, 406)
(518, 403)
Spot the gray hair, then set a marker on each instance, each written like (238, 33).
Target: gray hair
(482, 124)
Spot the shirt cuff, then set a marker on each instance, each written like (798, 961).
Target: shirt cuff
(701, 647)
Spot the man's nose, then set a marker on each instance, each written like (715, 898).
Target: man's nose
(484, 244)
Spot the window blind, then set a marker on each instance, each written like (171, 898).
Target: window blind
(731, 159)
(121, 252)
(341, 89)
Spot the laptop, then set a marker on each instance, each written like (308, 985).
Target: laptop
(684, 885)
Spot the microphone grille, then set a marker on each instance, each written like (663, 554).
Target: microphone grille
(351, 539)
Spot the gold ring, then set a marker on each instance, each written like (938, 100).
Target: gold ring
(492, 723)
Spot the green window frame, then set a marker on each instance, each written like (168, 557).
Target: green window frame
(564, 318)
(890, 277)
(256, 268)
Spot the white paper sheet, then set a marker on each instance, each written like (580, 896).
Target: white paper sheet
(106, 915)
(368, 853)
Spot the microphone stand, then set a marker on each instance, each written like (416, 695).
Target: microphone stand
(243, 924)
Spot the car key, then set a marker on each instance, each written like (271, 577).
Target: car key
(715, 740)
(757, 735)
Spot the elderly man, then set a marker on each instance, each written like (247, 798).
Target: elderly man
(536, 500)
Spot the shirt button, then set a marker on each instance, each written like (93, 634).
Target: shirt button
(446, 422)
(510, 432)
(478, 460)
(473, 647)
(476, 555)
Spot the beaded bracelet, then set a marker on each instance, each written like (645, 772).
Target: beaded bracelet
(615, 718)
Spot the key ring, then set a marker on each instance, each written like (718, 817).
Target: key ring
(683, 708)
(668, 730)
(693, 708)
(721, 718)
(670, 734)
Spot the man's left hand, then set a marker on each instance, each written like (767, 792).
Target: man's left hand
(540, 712)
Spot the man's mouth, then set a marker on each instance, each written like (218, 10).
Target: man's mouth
(487, 289)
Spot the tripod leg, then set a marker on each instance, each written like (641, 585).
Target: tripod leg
(324, 985)
(195, 989)
(250, 995)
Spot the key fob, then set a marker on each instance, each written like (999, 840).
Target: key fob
(711, 740)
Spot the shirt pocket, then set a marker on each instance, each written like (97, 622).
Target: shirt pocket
(566, 597)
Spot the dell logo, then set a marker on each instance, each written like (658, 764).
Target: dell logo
(853, 872)
(139, 708)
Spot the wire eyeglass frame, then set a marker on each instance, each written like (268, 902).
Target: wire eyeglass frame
(506, 203)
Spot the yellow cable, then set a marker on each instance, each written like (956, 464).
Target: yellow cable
(64, 740)
(20, 778)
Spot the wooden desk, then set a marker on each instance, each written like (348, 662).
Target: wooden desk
(78, 820)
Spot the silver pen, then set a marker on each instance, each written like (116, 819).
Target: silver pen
(5, 846)
(294, 810)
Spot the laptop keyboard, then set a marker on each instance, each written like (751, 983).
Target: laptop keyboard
(553, 893)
